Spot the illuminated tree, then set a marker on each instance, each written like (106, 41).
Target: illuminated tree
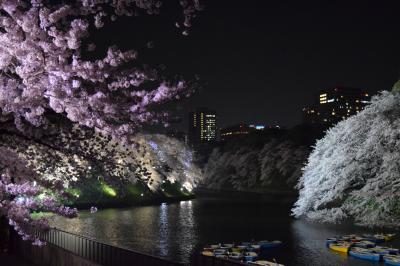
(43, 73)
(354, 170)
(277, 163)
(42, 68)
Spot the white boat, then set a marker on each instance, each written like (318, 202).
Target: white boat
(235, 255)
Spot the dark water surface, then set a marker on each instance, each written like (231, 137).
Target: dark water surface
(177, 230)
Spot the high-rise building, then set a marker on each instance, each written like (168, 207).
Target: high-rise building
(202, 126)
(335, 104)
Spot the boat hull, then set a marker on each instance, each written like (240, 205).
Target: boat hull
(339, 248)
(365, 256)
(389, 261)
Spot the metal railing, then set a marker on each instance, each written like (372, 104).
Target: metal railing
(98, 252)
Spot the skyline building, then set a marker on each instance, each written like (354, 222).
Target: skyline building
(235, 131)
(335, 104)
(202, 126)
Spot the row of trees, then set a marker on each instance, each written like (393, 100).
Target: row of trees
(260, 162)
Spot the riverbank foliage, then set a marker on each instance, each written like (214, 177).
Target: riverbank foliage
(96, 169)
(259, 162)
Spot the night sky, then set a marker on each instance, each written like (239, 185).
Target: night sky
(262, 61)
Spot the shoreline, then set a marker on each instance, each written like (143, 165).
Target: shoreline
(267, 196)
(125, 204)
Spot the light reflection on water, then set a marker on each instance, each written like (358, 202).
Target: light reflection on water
(177, 230)
(163, 231)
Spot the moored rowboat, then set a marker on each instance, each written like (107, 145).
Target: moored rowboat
(235, 255)
(270, 244)
(392, 260)
(340, 247)
(265, 263)
(250, 256)
(208, 253)
(365, 244)
(365, 254)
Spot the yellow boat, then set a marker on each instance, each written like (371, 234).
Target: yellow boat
(208, 253)
(386, 237)
(389, 237)
(340, 247)
(237, 249)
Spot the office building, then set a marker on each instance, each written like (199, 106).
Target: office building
(202, 126)
(335, 104)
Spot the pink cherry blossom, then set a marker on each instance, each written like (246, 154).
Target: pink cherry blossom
(42, 72)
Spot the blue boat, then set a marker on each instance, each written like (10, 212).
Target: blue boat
(392, 260)
(385, 250)
(364, 244)
(269, 244)
(380, 250)
(391, 251)
(374, 238)
(364, 254)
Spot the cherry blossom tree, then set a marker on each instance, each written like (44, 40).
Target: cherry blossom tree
(42, 68)
(353, 172)
(22, 192)
(43, 72)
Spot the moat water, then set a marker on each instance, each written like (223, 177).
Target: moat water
(178, 230)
